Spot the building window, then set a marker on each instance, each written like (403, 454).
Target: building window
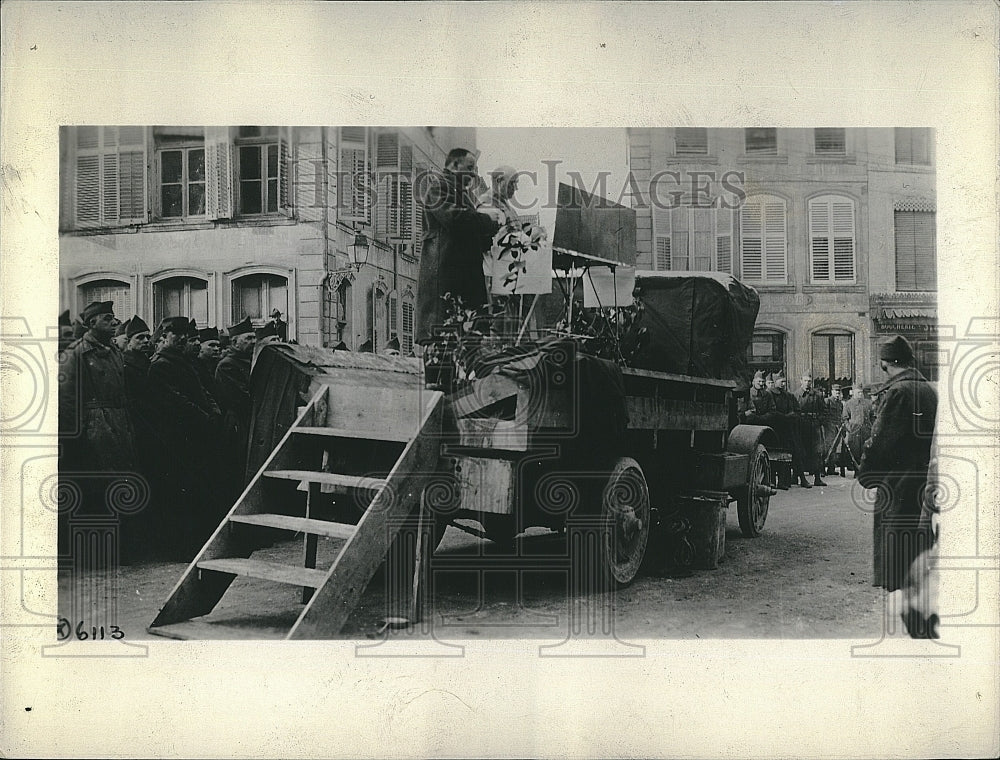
(343, 309)
(913, 145)
(691, 141)
(831, 239)
(830, 141)
(354, 201)
(406, 341)
(110, 176)
(761, 141)
(693, 239)
(182, 182)
(763, 242)
(832, 359)
(116, 291)
(766, 351)
(255, 295)
(261, 157)
(181, 297)
(916, 262)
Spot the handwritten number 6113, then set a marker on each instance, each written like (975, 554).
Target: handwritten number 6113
(65, 630)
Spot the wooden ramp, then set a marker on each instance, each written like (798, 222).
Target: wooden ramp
(351, 467)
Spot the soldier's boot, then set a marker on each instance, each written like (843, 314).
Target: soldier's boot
(803, 482)
(817, 481)
(843, 472)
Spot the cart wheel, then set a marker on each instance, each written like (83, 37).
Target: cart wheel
(753, 500)
(625, 507)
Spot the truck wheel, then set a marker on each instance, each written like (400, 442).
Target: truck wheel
(753, 500)
(626, 513)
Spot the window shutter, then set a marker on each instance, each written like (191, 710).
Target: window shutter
(355, 205)
(405, 212)
(110, 175)
(393, 314)
(661, 235)
(406, 159)
(418, 216)
(724, 240)
(218, 173)
(387, 151)
(830, 140)
(690, 141)
(751, 223)
(703, 235)
(406, 343)
(88, 188)
(843, 240)
(285, 198)
(774, 241)
(916, 266)
(819, 225)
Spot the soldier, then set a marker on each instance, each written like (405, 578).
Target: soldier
(812, 411)
(65, 331)
(769, 382)
(831, 427)
(120, 338)
(760, 410)
(896, 462)
(208, 358)
(786, 426)
(858, 416)
(95, 430)
(232, 380)
(278, 325)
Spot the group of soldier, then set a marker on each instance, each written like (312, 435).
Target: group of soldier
(165, 410)
(825, 434)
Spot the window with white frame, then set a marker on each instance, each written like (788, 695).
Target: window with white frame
(395, 211)
(830, 141)
(761, 141)
(110, 176)
(181, 297)
(831, 240)
(913, 145)
(262, 156)
(690, 141)
(763, 240)
(406, 339)
(354, 202)
(916, 259)
(693, 239)
(182, 181)
(255, 295)
(116, 291)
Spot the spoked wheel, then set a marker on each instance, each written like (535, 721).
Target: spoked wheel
(753, 499)
(626, 513)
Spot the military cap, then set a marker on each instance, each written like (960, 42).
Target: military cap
(209, 333)
(192, 328)
(779, 375)
(176, 325)
(758, 375)
(835, 387)
(896, 350)
(265, 331)
(769, 377)
(64, 320)
(136, 325)
(240, 328)
(275, 312)
(96, 308)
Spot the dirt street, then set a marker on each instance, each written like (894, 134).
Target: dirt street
(807, 576)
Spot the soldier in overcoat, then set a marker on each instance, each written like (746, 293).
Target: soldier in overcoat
(896, 462)
(760, 409)
(858, 416)
(455, 236)
(232, 382)
(786, 425)
(812, 412)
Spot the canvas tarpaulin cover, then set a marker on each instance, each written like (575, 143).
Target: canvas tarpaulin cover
(693, 324)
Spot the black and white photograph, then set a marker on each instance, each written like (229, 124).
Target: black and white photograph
(433, 381)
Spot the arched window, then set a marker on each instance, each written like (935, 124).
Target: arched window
(181, 297)
(763, 241)
(832, 358)
(116, 291)
(406, 340)
(831, 240)
(255, 295)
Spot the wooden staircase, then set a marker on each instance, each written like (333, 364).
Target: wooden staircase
(351, 468)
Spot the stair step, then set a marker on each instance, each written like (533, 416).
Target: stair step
(298, 525)
(372, 435)
(203, 630)
(268, 571)
(341, 482)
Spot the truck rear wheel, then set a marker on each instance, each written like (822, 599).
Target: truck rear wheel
(625, 512)
(753, 500)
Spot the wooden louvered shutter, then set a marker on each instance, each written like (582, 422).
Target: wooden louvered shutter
(418, 212)
(131, 171)
(831, 239)
(393, 315)
(752, 243)
(775, 248)
(702, 237)
(661, 238)
(88, 176)
(355, 206)
(842, 213)
(819, 236)
(285, 198)
(916, 265)
(724, 240)
(406, 343)
(218, 173)
(110, 176)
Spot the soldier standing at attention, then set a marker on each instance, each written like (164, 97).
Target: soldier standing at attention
(812, 411)
(208, 358)
(760, 410)
(95, 429)
(786, 425)
(858, 416)
(831, 427)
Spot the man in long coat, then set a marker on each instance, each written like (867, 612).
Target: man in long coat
(786, 425)
(896, 462)
(96, 435)
(232, 381)
(207, 361)
(832, 420)
(812, 411)
(455, 236)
